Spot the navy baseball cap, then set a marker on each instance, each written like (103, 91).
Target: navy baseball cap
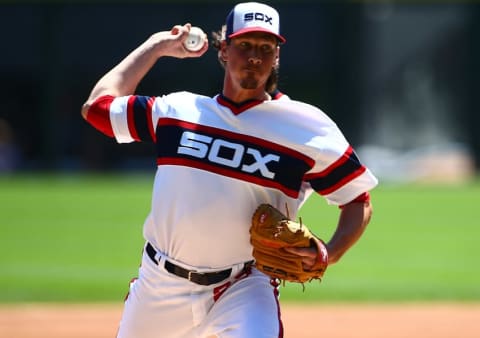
(253, 17)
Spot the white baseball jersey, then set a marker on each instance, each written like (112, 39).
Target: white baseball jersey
(217, 161)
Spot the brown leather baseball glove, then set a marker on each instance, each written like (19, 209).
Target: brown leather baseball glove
(271, 232)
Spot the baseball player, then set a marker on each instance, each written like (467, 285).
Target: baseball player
(218, 158)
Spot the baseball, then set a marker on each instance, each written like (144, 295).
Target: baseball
(195, 40)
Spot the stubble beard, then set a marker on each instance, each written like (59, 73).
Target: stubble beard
(249, 82)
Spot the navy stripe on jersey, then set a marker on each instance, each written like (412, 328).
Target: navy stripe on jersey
(139, 115)
(230, 154)
(344, 170)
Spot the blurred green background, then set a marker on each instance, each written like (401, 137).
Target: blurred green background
(77, 238)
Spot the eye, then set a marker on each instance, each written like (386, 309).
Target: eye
(244, 44)
(267, 48)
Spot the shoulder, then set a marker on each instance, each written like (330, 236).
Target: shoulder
(301, 111)
(183, 96)
(182, 100)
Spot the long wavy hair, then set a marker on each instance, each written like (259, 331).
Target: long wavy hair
(219, 36)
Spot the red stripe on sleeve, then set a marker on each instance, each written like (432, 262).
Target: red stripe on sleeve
(338, 163)
(362, 198)
(343, 181)
(98, 115)
(149, 118)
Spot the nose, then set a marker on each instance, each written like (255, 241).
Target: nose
(254, 57)
(254, 60)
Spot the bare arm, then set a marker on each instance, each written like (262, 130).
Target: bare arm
(124, 78)
(352, 222)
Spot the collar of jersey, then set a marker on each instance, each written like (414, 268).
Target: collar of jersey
(237, 108)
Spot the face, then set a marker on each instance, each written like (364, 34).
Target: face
(250, 58)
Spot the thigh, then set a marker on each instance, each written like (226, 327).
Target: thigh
(248, 308)
(158, 306)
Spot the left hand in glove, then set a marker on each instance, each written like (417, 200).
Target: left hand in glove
(285, 249)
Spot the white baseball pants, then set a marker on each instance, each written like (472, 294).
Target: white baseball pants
(163, 305)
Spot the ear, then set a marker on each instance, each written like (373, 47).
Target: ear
(223, 51)
(277, 58)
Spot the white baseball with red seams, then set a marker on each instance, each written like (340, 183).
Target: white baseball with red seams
(195, 40)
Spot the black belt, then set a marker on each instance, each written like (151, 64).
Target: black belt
(207, 278)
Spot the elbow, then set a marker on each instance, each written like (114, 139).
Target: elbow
(84, 110)
(97, 113)
(368, 212)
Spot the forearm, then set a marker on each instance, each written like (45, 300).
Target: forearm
(352, 222)
(124, 78)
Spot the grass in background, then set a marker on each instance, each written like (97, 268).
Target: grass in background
(420, 245)
(78, 239)
(70, 238)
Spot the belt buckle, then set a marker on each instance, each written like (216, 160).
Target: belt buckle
(190, 272)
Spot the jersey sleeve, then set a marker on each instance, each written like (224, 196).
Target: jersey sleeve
(338, 174)
(127, 118)
(98, 115)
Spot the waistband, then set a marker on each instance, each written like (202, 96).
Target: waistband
(201, 278)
